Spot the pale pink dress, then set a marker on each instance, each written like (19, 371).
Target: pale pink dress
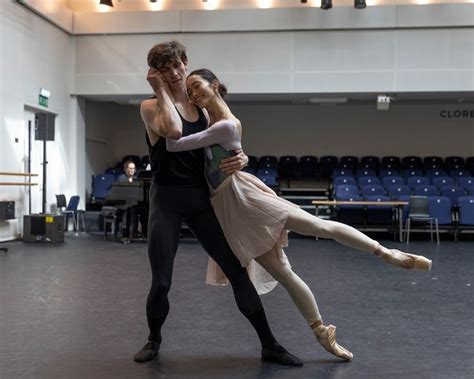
(251, 215)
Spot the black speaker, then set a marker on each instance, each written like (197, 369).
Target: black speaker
(44, 126)
(7, 210)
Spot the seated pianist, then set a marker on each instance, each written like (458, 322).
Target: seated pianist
(134, 212)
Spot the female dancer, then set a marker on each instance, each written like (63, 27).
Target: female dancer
(255, 220)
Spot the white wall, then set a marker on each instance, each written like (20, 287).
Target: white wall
(379, 49)
(35, 54)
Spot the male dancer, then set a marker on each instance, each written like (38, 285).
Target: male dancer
(179, 192)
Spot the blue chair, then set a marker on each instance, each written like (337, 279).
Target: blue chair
(391, 163)
(414, 181)
(371, 160)
(288, 167)
(432, 163)
(349, 162)
(392, 180)
(465, 181)
(268, 159)
(443, 181)
(372, 190)
(344, 180)
(250, 170)
(470, 165)
(397, 190)
(253, 162)
(460, 173)
(145, 161)
(431, 174)
(346, 190)
(368, 181)
(71, 210)
(454, 163)
(466, 213)
(453, 193)
(415, 172)
(388, 172)
(350, 214)
(425, 190)
(267, 171)
(379, 214)
(327, 164)
(115, 171)
(441, 208)
(470, 190)
(366, 172)
(271, 181)
(308, 166)
(101, 185)
(267, 165)
(368, 166)
(341, 172)
(411, 163)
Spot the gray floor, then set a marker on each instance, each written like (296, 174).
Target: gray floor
(76, 310)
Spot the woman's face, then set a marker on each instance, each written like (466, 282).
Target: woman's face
(200, 91)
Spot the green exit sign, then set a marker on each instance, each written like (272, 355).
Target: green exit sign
(43, 101)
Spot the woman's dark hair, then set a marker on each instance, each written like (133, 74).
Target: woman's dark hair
(209, 76)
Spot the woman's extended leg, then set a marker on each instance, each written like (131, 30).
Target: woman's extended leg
(302, 222)
(304, 301)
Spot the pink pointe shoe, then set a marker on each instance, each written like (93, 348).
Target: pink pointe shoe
(326, 336)
(407, 261)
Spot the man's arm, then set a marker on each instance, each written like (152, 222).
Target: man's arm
(160, 115)
(235, 163)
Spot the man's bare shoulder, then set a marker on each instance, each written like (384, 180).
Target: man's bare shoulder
(148, 109)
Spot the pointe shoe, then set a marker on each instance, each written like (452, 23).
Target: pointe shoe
(407, 261)
(326, 336)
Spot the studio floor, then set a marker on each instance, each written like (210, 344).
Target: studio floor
(77, 310)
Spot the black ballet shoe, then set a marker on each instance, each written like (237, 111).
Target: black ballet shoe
(147, 352)
(278, 354)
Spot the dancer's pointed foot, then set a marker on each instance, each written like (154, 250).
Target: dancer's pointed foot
(278, 354)
(326, 336)
(404, 260)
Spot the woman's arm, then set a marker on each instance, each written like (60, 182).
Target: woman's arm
(219, 133)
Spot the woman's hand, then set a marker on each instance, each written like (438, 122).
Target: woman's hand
(235, 163)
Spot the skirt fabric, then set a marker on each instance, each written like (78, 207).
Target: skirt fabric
(252, 218)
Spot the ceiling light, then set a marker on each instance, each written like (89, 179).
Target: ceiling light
(326, 4)
(106, 2)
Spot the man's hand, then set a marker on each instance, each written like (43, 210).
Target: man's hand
(157, 81)
(235, 163)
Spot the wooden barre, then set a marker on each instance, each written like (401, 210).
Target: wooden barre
(17, 184)
(17, 174)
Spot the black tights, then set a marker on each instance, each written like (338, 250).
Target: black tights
(168, 207)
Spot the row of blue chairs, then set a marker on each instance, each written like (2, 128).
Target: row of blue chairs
(310, 166)
(394, 191)
(440, 207)
(411, 181)
(457, 173)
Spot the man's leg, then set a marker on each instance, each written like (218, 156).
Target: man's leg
(164, 227)
(208, 231)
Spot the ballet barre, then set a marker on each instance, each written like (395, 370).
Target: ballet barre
(396, 204)
(28, 184)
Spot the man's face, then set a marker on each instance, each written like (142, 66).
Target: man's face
(130, 170)
(174, 73)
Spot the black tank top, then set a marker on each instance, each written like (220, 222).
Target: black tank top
(184, 168)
